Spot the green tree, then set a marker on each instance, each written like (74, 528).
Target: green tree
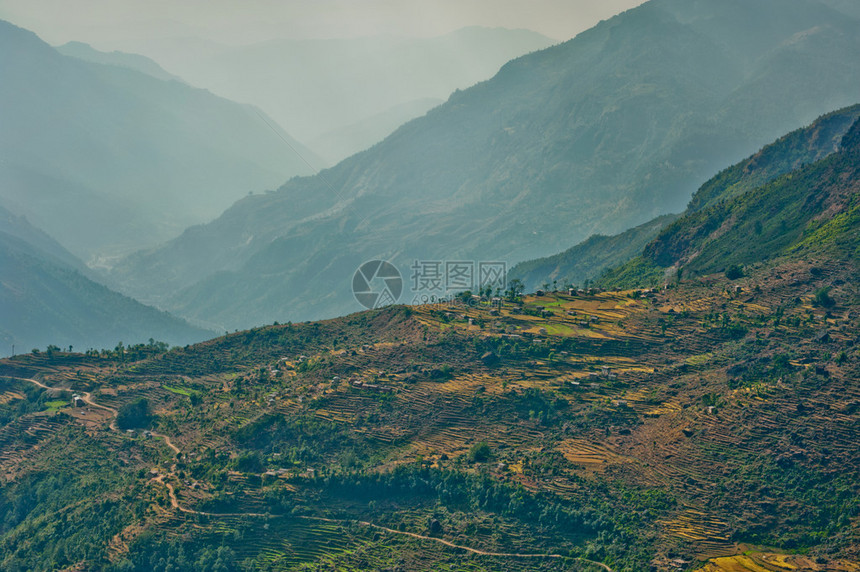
(822, 297)
(134, 414)
(479, 452)
(515, 290)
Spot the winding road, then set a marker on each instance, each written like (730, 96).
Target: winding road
(174, 502)
(87, 397)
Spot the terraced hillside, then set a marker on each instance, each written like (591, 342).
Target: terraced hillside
(712, 425)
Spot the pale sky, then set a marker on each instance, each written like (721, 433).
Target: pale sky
(121, 24)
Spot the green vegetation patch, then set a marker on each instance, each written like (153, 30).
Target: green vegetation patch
(186, 391)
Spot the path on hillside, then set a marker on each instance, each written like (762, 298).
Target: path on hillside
(458, 546)
(87, 397)
(174, 501)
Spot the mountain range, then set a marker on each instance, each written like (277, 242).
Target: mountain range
(592, 136)
(809, 212)
(111, 159)
(135, 62)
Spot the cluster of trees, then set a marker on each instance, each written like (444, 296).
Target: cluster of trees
(174, 555)
(134, 415)
(121, 352)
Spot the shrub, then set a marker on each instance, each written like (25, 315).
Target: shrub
(822, 297)
(734, 272)
(479, 452)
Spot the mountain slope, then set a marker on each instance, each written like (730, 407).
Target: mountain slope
(588, 258)
(19, 228)
(344, 141)
(47, 298)
(593, 136)
(801, 147)
(110, 159)
(811, 211)
(712, 426)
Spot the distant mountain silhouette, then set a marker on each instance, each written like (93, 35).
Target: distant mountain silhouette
(136, 62)
(109, 159)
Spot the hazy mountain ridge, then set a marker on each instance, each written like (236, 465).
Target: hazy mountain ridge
(345, 141)
(108, 158)
(596, 135)
(136, 62)
(19, 227)
(48, 296)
